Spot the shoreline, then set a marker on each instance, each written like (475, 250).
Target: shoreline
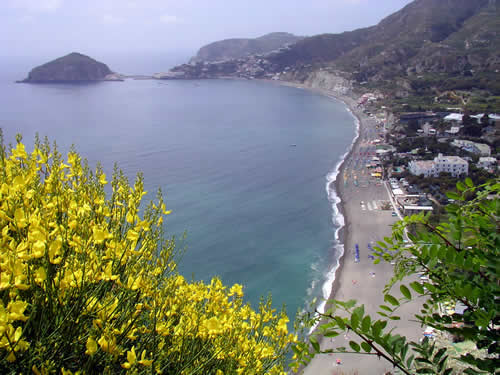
(343, 231)
(359, 202)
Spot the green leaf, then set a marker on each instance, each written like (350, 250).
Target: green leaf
(366, 347)
(409, 361)
(460, 186)
(417, 287)
(390, 299)
(359, 311)
(386, 308)
(331, 334)
(340, 322)
(405, 291)
(404, 351)
(439, 355)
(469, 182)
(377, 328)
(354, 321)
(450, 255)
(454, 196)
(315, 344)
(350, 304)
(354, 346)
(425, 370)
(366, 324)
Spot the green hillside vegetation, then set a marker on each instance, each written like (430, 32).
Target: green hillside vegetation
(427, 47)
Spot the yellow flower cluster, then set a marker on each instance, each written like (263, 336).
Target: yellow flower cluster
(88, 282)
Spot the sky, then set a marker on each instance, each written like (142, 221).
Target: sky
(110, 29)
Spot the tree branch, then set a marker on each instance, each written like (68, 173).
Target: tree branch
(378, 352)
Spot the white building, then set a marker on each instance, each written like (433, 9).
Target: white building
(454, 165)
(454, 117)
(450, 164)
(421, 167)
(476, 148)
(487, 162)
(453, 130)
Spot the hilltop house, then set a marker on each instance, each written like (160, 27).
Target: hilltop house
(454, 165)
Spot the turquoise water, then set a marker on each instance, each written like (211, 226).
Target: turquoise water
(243, 166)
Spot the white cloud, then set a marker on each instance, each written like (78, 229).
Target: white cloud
(36, 5)
(170, 19)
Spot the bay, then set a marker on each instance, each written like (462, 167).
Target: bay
(242, 165)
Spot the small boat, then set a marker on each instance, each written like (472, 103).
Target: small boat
(293, 145)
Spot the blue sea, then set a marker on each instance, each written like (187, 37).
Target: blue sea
(245, 167)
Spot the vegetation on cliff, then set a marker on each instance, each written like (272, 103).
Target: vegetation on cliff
(88, 282)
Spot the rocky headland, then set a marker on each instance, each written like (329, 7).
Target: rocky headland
(236, 48)
(74, 67)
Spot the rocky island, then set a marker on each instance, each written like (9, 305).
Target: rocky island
(74, 67)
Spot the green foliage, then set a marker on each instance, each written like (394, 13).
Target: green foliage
(88, 282)
(460, 259)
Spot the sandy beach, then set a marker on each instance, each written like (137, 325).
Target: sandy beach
(365, 223)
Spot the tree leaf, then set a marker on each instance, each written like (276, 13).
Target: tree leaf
(366, 347)
(453, 195)
(366, 324)
(469, 182)
(354, 346)
(359, 311)
(331, 334)
(315, 344)
(390, 299)
(405, 291)
(350, 304)
(417, 287)
(386, 308)
(460, 186)
(409, 361)
(354, 321)
(340, 322)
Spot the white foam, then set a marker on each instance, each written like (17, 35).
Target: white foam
(337, 218)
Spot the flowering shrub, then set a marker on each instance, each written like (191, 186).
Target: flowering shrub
(88, 282)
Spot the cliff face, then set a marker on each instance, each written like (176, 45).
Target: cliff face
(74, 67)
(241, 47)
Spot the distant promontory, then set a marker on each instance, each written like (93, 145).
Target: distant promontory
(242, 47)
(74, 67)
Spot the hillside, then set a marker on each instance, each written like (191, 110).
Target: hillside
(74, 67)
(237, 48)
(454, 37)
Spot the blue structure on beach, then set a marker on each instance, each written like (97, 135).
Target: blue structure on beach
(356, 253)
